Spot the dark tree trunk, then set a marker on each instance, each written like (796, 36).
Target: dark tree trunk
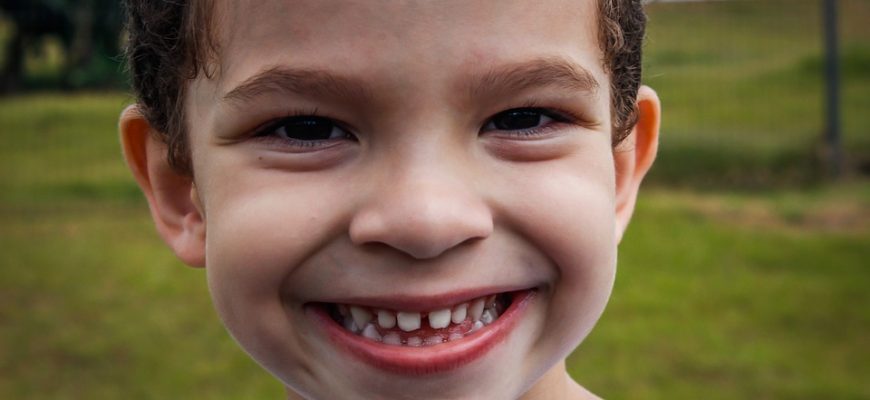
(12, 71)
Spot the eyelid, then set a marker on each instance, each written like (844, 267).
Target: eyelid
(559, 117)
(269, 126)
(266, 131)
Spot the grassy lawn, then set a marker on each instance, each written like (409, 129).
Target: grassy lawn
(743, 275)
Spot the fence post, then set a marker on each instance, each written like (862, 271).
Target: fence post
(833, 140)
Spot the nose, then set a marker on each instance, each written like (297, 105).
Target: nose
(422, 214)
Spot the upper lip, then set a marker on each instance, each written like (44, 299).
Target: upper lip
(420, 303)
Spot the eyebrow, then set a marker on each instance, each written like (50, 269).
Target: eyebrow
(501, 80)
(307, 82)
(517, 77)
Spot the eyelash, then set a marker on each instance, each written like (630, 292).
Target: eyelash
(557, 116)
(266, 132)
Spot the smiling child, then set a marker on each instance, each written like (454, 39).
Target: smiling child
(396, 199)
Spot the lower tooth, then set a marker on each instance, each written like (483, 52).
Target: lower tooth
(433, 340)
(455, 336)
(350, 325)
(487, 317)
(371, 333)
(414, 341)
(477, 325)
(392, 338)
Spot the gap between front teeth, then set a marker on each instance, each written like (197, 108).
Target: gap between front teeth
(380, 325)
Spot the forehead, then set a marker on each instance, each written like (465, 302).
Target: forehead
(411, 41)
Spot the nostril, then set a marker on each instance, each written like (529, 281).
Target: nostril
(421, 235)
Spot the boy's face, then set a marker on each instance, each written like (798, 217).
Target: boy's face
(458, 150)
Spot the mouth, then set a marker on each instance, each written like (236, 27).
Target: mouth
(415, 341)
(415, 328)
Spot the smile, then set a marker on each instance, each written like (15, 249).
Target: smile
(411, 341)
(415, 329)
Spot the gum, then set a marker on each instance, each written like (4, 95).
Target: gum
(427, 332)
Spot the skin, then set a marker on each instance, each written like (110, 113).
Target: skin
(422, 198)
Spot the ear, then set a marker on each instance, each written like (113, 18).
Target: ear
(635, 156)
(171, 196)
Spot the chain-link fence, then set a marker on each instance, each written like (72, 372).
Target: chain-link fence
(742, 84)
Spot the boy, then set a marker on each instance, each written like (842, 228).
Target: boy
(396, 199)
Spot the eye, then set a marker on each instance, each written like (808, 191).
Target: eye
(526, 121)
(306, 128)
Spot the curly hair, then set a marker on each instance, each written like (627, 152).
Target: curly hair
(171, 42)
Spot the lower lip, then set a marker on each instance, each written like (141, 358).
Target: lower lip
(418, 361)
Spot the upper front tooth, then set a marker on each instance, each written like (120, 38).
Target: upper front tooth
(439, 319)
(408, 321)
(360, 315)
(476, 309)
(386, 319)
(459, 313)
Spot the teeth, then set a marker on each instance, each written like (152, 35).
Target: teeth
(371, 332)
(386, 319)
(433, 340)
(439, 319)
(459, 313)
(350, 325)
(408, 321)
(476, 309)
(360, 315)
(369, 323)
(487, 317)
(392, 338)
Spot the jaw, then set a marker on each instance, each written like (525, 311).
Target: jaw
(344, 364)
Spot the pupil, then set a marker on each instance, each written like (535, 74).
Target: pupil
(309, 129)
(517, 119)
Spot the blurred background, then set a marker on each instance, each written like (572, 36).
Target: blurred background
(743, 275)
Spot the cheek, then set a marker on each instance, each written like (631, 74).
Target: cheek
(573, 222)
(568, 214)
(567, 209)
(261, 231)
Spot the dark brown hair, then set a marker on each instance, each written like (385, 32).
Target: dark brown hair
(170, 42)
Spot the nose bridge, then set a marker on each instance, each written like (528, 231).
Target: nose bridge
(424, 205)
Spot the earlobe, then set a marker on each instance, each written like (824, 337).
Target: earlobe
(635, 156)
(172, 196)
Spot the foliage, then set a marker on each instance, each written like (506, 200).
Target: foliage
(87, 33)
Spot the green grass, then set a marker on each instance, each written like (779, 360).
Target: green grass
(743, 275)
(724, 296)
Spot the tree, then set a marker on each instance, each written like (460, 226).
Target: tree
(88, 30)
